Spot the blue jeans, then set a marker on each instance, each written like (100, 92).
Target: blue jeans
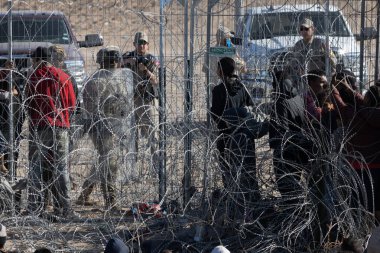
(48, 170)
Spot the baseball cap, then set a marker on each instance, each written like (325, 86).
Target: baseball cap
(220, 249)
(108, 53)
(57, 52)
(112, 49)
(141, 36)
(307, 23)
(223, 32)
(41, 52)
(3, 234)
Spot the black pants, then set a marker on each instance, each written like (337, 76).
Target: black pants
(238, 165)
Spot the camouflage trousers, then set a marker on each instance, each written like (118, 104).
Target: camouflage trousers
(106, 169)
(48, 169)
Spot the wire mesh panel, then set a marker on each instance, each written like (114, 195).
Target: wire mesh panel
(129, 119)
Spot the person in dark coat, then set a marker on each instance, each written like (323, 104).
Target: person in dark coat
(288, 124)
(237, 131)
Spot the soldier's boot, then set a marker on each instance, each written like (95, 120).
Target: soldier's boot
(109, 197)
(110, 201)
(84, 197)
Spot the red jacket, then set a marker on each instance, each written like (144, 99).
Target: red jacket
(50, 97)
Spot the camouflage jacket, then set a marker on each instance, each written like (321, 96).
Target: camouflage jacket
(108, 100)
(311, 56)
(142, 86)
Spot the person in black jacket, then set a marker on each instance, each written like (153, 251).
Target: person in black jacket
(287, 138)
(237, 131)
(230, 93)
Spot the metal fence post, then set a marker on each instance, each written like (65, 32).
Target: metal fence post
(11, 147)
(187, 111)
(10, 87)
(377, 42)
(362, 25)
(162, 109)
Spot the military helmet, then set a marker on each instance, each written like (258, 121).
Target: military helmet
(110, 53)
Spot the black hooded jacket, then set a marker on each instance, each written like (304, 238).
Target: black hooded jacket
(231, 94)
(288, 112)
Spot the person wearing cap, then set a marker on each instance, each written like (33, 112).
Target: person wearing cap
(50, 99)
(58, 56)
(107, 103)
(223, 39)
(3, 238)
(310, 51)
(144, 66)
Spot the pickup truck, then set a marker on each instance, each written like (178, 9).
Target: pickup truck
(31, 29)
(269, 32)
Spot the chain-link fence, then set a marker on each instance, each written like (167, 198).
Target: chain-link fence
(151, 168)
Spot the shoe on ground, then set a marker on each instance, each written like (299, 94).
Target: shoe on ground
(70, 215)
(62, 215)
(20, 185)
(50, 217)
(115, 211)
(81, 202)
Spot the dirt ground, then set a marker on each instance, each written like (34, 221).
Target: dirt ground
(117, 21)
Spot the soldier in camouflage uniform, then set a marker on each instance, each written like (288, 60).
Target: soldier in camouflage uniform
(144, 66)
(223, 39)
(310, 51)
(107, 108)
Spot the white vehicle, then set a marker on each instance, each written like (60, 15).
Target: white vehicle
(269, 32)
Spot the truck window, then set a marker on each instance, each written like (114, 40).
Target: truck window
(35, 30)
(267, 25)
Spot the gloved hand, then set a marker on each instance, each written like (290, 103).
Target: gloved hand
(87, 124)
(4, 95)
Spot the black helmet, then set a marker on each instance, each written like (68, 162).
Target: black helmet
(110, 53)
